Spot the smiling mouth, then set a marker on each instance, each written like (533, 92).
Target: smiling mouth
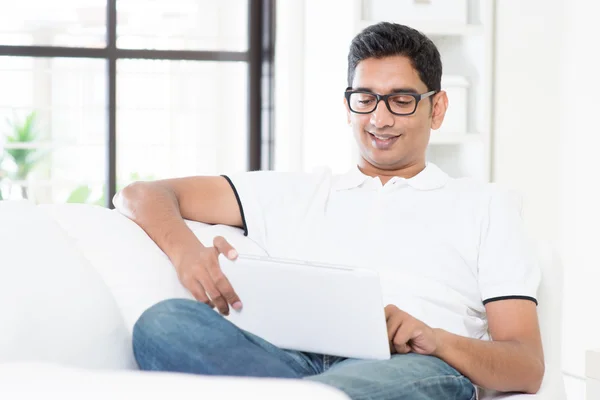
(383, 142)
(384, 137)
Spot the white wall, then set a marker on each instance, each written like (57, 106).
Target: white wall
(581, 215)
(327, 138)
(546, 143)
(313, 38)
(526, 125)
(289, 86)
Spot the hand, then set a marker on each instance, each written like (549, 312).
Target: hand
(199, 271)
(407, 334)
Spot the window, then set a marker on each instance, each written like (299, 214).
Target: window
(195, 119)
(53, 120)
(97, 94)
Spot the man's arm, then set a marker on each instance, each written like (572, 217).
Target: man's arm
(512, 362)
(160, 207)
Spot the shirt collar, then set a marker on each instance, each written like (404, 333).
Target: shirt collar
(432, 177)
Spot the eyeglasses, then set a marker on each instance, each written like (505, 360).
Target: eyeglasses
(365, 102)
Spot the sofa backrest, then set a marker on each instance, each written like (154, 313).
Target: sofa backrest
(54, 306)
(550, 302)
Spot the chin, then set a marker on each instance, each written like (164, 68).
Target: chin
(384, 161)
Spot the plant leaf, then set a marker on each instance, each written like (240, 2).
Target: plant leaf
(81, 194)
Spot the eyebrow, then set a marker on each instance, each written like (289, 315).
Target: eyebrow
(394, 90)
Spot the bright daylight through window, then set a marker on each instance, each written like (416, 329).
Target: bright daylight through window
(180, 102)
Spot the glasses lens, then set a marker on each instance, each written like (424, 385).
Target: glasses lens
(402, 104)
(362, 102)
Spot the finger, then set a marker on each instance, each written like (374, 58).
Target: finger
(226, 289)
(389, 310)
(215, 296)
(223, 286)
(393, 323)
(197, 290)
(392, 329)
(223, 247)
(402, 348)
(402, 337)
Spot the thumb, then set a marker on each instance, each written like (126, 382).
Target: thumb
(223, 247)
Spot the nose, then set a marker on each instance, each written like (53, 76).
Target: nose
(381, 116)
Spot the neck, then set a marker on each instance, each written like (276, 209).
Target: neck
(406, 171)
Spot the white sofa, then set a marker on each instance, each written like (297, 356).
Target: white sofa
(75, 278)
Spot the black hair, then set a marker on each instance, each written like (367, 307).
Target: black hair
(387, 39)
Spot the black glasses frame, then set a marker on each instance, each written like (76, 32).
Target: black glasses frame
(417, 96)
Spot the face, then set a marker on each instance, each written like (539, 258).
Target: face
(388, 142)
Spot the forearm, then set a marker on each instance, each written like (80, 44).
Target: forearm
(156, 211)
(504, 366)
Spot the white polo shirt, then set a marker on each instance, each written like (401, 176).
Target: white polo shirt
(443, 247)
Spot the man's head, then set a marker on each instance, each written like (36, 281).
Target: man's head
(386, 59)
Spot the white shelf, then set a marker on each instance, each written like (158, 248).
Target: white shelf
(434, 29)
(453, 138)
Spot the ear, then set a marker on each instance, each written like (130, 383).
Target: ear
(348, 120)
(439, 107)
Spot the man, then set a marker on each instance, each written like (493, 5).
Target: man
(456, 271)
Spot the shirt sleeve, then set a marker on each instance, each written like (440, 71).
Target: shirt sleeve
(272, 203)
(507, 267)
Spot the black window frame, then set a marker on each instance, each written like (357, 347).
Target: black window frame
(259, 56)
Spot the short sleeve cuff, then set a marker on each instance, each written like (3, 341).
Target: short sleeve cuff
(510, 291)
(239, 201)
(511, 297)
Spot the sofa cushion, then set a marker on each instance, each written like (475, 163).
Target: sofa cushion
(25, 381)
(137, 272)
(54, 306)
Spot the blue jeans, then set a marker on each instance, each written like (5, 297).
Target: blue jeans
(188, 336)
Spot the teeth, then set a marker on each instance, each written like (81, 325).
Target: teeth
(382, 137)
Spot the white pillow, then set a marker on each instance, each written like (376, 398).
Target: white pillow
(138, 273)
(54, 307)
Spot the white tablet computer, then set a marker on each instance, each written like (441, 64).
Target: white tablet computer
(317, 308)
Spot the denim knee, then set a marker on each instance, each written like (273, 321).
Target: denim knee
(407, 376)
(162, 315)
(158, 326)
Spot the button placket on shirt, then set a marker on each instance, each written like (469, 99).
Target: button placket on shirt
(372, 186)
(377, 214)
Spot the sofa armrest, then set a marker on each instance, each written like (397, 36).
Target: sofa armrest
(553, 388)
(31, 380)
(592, 374)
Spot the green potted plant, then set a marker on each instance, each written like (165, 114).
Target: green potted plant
(2, 173)
(20, 138)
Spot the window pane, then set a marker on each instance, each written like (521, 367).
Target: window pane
(180, 118)
(63, 147)
(183, 24)
(70, 23)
